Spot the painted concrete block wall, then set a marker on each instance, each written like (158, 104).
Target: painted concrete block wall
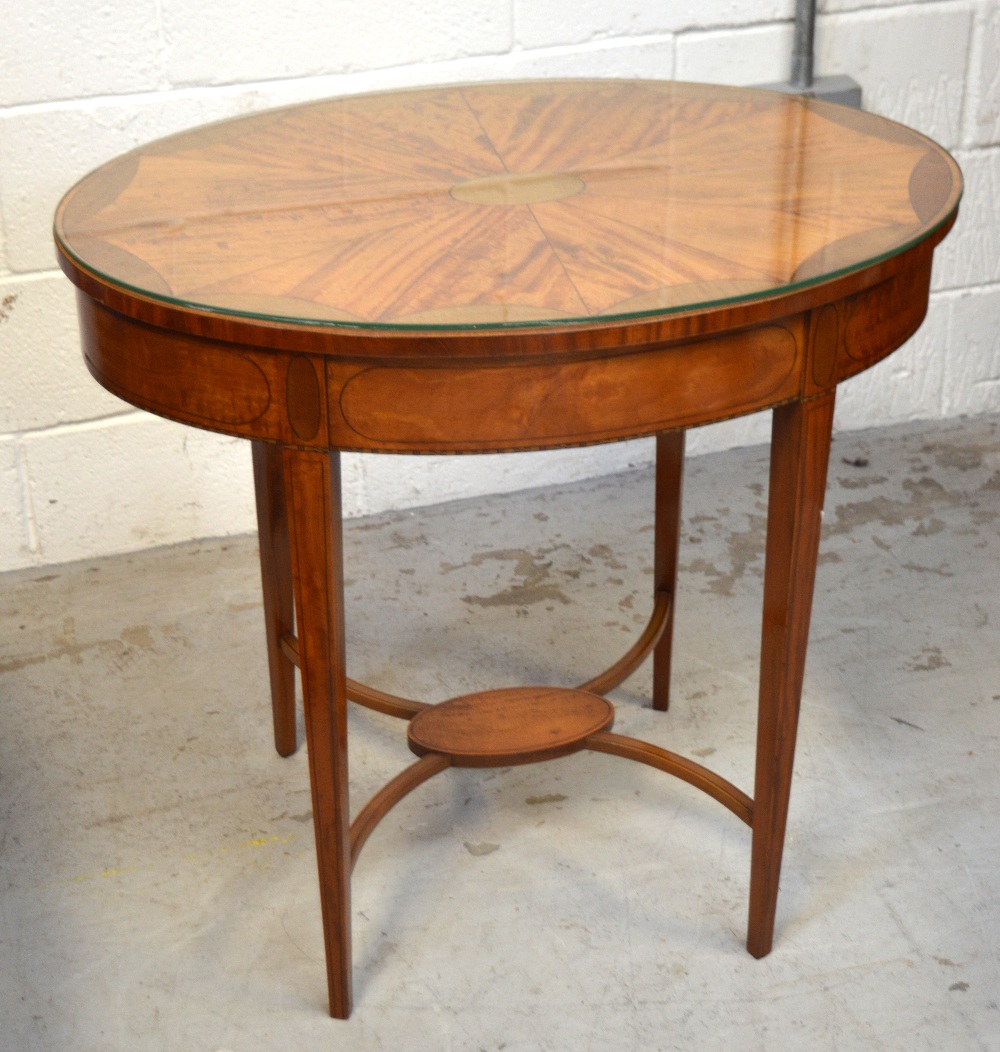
(83, 474)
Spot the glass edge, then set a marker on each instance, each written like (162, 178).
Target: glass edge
(377, 328)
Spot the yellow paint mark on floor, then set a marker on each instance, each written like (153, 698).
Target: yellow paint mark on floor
(256, 842)
(263, 841)
(105, 873)
(84, 878)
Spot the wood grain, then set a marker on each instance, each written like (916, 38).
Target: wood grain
(303, 398)
(162, 373)
(800, 449)
(667, 538)
(650, 638)
(679, 766)
(370, 697)
(276, 581)
(389, 795)
(884, 317)
(467, 409)
(312, 487)
(504, 204)
(500, 728)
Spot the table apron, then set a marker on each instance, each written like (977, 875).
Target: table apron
(468, 406)
(473, 408)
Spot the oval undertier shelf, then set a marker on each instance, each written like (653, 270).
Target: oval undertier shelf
(499, 728)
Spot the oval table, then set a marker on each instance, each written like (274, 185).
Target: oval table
(499, 267)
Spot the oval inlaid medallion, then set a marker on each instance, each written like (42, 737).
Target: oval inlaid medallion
(824, 346)
(302, 397)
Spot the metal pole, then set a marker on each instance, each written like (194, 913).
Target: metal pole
(838, 88)
(802, 49)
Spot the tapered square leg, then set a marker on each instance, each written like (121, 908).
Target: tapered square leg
(669, 478)
(312, 488)
(276, 578)
(800, 448)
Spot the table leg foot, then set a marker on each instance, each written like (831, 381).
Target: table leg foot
(276, 578)
(312, 487)
(669, 476)
(800, 447)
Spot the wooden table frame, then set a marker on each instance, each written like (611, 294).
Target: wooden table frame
(303, 393)
(299, 515)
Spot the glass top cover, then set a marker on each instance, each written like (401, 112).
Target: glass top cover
(503, 205)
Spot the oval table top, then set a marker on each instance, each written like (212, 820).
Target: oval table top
(503, 210)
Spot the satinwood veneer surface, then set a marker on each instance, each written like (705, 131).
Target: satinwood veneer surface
(497, 728)
(514, 205)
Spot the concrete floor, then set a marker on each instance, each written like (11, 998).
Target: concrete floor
(156, 855)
